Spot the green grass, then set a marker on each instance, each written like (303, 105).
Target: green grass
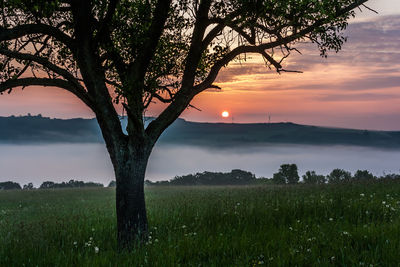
(342, 225)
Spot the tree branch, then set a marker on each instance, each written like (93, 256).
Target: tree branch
(60, 83)
(26, 29)
(45, 63)
(156, 29)
(262, 47)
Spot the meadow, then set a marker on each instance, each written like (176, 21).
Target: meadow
(270, 225)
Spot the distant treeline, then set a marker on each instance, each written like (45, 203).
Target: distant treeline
(287, 174)
(49, 185)
(235, 177)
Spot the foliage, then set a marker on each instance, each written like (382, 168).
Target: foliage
(301, 225)
(363, 175)
(312, 178)
(287, 174)
(112, 184)
(339, 176)
(9, 185)
(235, 177)
(28, 186)
(70, 184)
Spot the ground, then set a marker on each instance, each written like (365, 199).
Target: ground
(352, 224)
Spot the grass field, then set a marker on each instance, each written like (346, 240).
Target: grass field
(342, 225)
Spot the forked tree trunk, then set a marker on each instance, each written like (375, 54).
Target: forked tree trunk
(130, 168)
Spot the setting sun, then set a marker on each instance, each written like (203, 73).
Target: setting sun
(225, 114)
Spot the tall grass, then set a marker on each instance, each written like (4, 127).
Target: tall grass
(348, 225)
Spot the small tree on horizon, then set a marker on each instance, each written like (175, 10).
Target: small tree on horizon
(132, 53)
(287, 174)
(363, 175)
(312, 178)
(338, 176)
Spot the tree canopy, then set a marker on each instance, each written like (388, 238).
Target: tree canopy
(143, 51)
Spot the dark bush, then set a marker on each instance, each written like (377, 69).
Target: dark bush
(9, 185)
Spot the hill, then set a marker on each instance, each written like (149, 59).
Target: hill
(36, 129)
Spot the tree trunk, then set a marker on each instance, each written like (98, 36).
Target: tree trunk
(130, 168)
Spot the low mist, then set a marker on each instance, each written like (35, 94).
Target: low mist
(90, 162)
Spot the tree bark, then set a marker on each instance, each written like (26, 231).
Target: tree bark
(130, 168)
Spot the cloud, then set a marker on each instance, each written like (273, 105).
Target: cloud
(370, 60)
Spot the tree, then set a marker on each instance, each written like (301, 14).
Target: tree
(312, 178)
(287, 174)
(10, 186)
(339, 176)
(278, 178)
(363, 176)
(28, 186)
(110, 53)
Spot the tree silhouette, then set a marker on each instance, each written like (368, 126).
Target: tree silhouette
(338, 176)
(287, 174)
(132, 53)
(312, 178)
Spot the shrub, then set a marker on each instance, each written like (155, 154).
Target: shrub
(312, 178)
(9, 185)
(339, 176)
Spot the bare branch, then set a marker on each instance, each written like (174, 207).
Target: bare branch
(45, 63)
(26, 29)
(60, 83)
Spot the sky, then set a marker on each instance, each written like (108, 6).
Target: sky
(357, 88)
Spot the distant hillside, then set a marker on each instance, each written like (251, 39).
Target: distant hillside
(34, 129)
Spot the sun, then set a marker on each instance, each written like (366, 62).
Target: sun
(225, 114)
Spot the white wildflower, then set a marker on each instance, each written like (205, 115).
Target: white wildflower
(96, 250)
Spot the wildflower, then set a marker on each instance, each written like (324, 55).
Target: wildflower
(345, 233)
(330, 219)
(309, 250)
(238, 204)
(75, 243)
(362, 195)
(183, 226)
(96, 250)
(290, 228)
(332, 258)
(156, 240)
(90, 238)
(92, 229)
(383, 202)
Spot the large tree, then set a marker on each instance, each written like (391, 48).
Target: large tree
(137, 52)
